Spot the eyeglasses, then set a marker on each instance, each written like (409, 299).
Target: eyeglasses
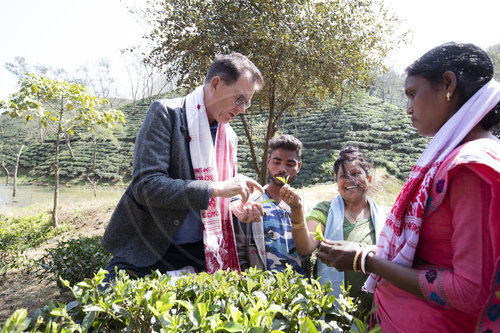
(242, 100)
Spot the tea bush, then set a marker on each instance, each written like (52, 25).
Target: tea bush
(254, 301)
(18, 234)
(74, 260)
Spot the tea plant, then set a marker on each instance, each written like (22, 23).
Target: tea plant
(17, 235)
(318, 234)
(255, 301)
(74, 260)
(283, 180)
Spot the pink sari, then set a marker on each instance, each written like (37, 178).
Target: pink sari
(460, 238)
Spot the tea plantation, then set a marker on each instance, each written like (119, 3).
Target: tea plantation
(382, 130)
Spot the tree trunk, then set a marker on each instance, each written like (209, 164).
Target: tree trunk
(250, 145)
(6, 173)
(269, 133)
(68, 144)
(55, 221)
(40, 129)
(94, 158)
(334, 111)
(94, 187)
(15, 170)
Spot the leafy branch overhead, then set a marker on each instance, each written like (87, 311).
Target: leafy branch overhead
(307, 50)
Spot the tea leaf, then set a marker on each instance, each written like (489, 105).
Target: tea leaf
(283, 180)
(318, 233)
(266, 201)
(307, 326)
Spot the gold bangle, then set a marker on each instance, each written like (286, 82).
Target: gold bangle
(297, 226)
(355, 261)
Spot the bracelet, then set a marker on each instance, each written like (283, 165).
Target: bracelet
(297, 226)
(355, 261)
(358, 266)
(363, 260)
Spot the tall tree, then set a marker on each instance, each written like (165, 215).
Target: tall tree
(146, 81)
(388, 85)
(64, 107)
(307, 50)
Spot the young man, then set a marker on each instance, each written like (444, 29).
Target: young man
(268, 244)
(175, 212)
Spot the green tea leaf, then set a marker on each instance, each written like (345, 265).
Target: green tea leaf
(319, 233)
(233, 327)
(266, 201)
(307, 326)
(283, 180)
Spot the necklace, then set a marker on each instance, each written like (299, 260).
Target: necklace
(356, 218)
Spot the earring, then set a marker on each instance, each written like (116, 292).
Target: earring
(448, 95)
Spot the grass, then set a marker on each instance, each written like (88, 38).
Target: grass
(19, 288)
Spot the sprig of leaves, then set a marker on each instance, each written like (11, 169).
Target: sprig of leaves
(283, 180)
(318, 233)
(265, 201)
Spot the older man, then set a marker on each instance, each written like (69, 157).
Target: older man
(175, 212)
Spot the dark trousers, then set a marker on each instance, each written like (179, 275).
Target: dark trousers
(176, 257)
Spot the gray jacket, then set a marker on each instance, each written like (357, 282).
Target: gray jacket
(162, 189)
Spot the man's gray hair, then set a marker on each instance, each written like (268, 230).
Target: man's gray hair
(230, 66)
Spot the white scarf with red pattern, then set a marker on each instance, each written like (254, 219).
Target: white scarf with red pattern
(213, 163)
(400, 234)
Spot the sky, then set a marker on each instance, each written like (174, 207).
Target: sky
(71, 33)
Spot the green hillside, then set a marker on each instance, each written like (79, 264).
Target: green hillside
(381, 129)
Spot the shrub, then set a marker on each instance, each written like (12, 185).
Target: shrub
(20, 234)
(254, 301)
(74, 260)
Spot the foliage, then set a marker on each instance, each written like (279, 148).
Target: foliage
(64, 107)
(494, 53)
(306, 50)
(382, 130)
(74, 260)
(389, 86)
(50, 100)
(20, 234)
(255, 301)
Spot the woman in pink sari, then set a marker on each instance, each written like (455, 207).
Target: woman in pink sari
(437, 264)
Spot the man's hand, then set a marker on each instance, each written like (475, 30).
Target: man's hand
(247, 212)
(239, 185)
(290, 197)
